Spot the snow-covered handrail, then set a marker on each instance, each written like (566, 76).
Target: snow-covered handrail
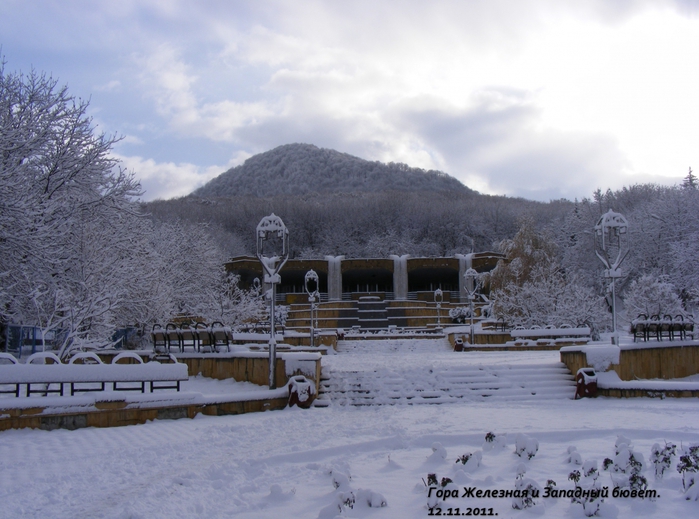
(8, 356)
(43, 355)
(85, 355)
(127, 355)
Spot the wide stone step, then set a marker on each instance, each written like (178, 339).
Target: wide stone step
(445, 384)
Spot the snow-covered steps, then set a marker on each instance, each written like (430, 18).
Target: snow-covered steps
(444, 384)
(393, 346)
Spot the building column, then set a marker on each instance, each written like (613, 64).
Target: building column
(334, 277)
(400, 276)
(465, 263)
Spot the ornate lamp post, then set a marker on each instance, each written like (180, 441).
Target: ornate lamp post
(272, 251)
(311, 284)
(438, 298)
(472, 285)
(611, 247)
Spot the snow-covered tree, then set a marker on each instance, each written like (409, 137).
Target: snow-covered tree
(530, 288)
(72, 241)
(652, 296)
(548, 297)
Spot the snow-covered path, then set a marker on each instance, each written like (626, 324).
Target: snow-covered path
(279, 464)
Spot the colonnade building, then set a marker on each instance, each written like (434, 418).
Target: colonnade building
(393, 278)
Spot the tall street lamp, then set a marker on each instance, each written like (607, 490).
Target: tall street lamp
(472, 285)
(612, 247)
(272, 251)
(438, 298)
(311, 284)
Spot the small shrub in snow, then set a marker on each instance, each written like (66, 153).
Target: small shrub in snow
(525, 446)
(586, 480)
(346, 499)
(621, 441)
(626, 467)
(370, 498)
(493, 441)
(464, 458)
(340, 481)
(438, 452)
(689, 468)
(574, 456)
(662, 458)
(431, 480)
(522, 484)
(471, 461)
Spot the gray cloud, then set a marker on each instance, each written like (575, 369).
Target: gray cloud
(383, 82)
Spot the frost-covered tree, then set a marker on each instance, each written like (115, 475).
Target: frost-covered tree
(549, 297)
(530, 288)
(652, 296)
(72, 241)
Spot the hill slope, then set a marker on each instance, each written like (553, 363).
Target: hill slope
(298, 169)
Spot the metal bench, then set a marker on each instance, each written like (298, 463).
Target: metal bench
(91, 377)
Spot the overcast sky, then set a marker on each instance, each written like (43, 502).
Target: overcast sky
(539, 99)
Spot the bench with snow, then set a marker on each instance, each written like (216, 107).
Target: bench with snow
(199, 337)
(86, 372)
(673, 328)
(550, 333)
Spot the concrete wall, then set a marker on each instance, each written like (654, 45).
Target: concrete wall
(665, 362)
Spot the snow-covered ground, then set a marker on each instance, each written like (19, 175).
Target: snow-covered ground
(283, 463)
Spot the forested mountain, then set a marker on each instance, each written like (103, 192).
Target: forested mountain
(334, 203)
(300, 169)
(366, 224)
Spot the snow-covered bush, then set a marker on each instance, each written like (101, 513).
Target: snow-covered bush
(528, 489)
(574, 456)
(460, 314)
(526, 446)
(688, 466)
(661, 458)
(471, 461)
(432, 482)
(439, 453)
(493, 441)
(587, 481)
(281, 313)
(626, 467)
(346, 497)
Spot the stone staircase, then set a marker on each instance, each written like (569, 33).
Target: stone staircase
(422, 383)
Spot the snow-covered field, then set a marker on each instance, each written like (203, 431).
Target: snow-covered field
(283, 463)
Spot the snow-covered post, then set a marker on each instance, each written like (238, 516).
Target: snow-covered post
(472, 284)
(272, 251)
(311, 284)
(438, 298)
(611, 247)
